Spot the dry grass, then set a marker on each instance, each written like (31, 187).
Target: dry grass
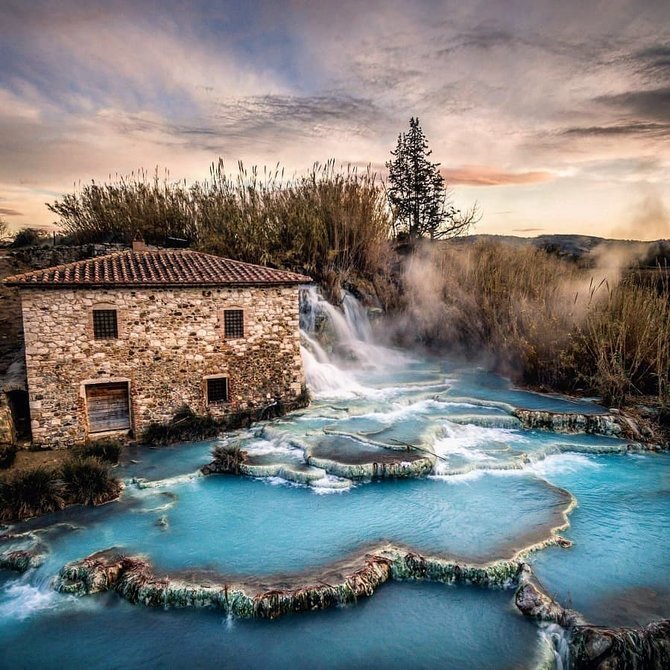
(41, 489)
(327, 222)
(626, 339)
(543, 320)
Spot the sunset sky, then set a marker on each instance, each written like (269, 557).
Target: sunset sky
(554, 116)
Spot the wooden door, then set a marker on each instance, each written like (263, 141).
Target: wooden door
(108, 407)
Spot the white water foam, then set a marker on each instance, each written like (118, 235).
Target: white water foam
(141, 483)
(555, 642)
(277, 446)
(332, 375)
(555, 464)
(326, 485)
(470, 442)
(20, 599)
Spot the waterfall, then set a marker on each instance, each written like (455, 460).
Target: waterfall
(346, 344)
(557, 643)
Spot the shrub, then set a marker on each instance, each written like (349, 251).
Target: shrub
(227, 459)
(7, 455)
(326, 221)
(28, 493)
(107, 450)
(4, 230)
(88, 482)
(27, 237)
(626, 337)
(184, 426)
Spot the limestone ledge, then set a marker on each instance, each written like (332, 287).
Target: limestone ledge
(134, 579)
(613, 424)
(22, 560)
(388, 469)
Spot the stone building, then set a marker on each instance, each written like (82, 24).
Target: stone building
(117, 342)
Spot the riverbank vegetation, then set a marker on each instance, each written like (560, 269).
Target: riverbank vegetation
(185, 426)
(543, 320)
(41, 490)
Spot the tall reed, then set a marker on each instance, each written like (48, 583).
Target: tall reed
(543, 320)
(329, 220)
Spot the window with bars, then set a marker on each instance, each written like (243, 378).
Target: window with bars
(217, 390)
(233, 323)
(105, 326)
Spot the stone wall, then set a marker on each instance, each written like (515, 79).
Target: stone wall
(169, 341)
(46, 255)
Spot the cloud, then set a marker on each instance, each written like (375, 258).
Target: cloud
(647, 104)
(636, 128)
(481, 175)
(654, 62)
(526, 96)
(6, 211)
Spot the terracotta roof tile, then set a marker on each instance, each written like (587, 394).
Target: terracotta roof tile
(153, 267)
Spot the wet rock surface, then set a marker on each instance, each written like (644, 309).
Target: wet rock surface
(21, 560)
(367, 461)
(613, 424)
(563, 422)
(597, 648)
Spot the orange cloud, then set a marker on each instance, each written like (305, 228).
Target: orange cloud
(482, 175)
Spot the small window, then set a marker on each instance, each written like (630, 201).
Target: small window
(217, 390)
(105, 326)
(233, 323)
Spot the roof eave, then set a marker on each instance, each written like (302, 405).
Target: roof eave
(112, 285)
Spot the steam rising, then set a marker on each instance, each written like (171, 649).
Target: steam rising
(513, 303)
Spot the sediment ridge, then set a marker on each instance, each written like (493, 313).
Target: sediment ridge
(596, 647)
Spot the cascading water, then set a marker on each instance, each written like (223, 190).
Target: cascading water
(349, 334)
(556, 640)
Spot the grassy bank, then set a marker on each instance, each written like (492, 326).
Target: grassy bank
(41, 489)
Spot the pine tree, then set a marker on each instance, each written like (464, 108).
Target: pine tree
(417, 192)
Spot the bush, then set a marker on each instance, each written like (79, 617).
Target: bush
(27, 237)
(626, 338)
(88, 482)
(4, 230)
(107, 450)
(7, 455)
(326, 221)
(184, 426)
(227, 459)
(28, 493)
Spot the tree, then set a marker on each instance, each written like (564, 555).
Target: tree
(417, 193)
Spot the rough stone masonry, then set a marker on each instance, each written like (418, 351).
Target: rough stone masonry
(170, 340)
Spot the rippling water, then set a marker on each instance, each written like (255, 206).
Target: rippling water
(494, 489)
